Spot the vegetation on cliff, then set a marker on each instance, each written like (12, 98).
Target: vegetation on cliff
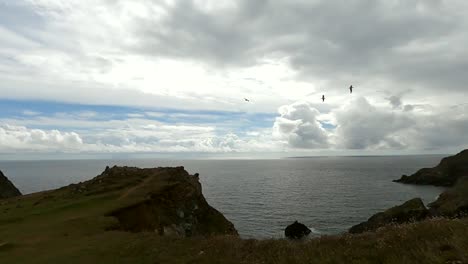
(453, 202)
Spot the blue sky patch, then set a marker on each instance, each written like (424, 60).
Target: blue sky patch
(225, 121)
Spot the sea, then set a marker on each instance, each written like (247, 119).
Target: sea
(262, 197)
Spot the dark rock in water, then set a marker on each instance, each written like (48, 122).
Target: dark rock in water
(296, 230)
(412, 210)
(453, 202)
(7, 189)
(447, 173)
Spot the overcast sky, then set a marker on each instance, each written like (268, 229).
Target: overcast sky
(141, 76)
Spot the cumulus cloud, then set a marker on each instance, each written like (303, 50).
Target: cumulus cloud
(299, 126)
(131, 136)
(363, 125)
(21, 138)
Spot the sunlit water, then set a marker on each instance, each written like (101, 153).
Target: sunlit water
(261, 197)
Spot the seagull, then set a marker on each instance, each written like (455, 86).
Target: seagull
(351, 89)
(323, 98)
(247, 100)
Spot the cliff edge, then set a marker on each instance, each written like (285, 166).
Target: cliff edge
(7, 189)
(452, 203)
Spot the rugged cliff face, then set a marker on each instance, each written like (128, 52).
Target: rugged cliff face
(447, 173)
(453, 202)
(7, 189)
(168, 201)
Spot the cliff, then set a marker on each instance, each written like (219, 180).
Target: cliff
(7, 189)
(447, 173)
(164, 200)
(453, 202)
(167, 201)
(412, 210)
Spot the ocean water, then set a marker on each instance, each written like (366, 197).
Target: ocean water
(261, 197)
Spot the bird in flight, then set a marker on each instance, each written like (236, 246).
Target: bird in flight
(323, 98)
(247, 100)
(351, 89)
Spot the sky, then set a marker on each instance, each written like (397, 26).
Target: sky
(169, 77)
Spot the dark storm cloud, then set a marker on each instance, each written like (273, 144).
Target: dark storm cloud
(412, 42)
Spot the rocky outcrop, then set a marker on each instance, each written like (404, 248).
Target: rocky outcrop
(412, 210)
(167, 201)
(447, 173)
(7, 189)
(453, 202)
(296, 230)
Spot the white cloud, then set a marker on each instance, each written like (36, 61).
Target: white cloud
(299, 126)
(209, 55)
(30, 113)
(363, 125)
(128, 136)
(19, 138)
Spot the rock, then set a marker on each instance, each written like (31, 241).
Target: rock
(167, 201)
(453, 202)
(412, 210)
(296, 230)
(7, 189)
(447, 173)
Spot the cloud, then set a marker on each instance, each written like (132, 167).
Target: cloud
(299, 126)
(89, 132)
(395, 101)
(399, 41)
(363, 125)
(19, 138)
(138, 50)
(360, 124)
(209, 54)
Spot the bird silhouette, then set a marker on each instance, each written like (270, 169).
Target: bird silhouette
(247, 100)
(351, 89)
(323, 98)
